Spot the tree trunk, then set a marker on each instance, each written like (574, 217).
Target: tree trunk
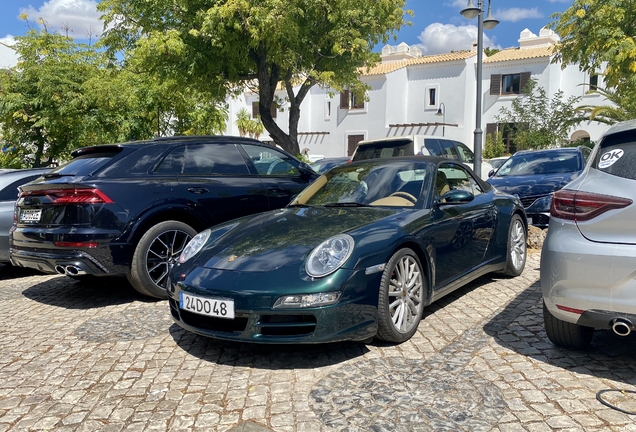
(268, 78)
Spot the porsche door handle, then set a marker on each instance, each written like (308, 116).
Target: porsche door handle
(198, 190)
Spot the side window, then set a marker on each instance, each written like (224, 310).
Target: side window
(466, 154)
(214, 159)
(432, 145)
(10, 192)
(172, 164)
(448, 149)
(271, 162)
(586, 153)
(458, 178)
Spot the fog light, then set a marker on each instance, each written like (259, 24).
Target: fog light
(308, 300)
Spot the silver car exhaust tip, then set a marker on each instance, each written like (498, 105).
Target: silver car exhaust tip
(71, 270)
(622, 327)
(60, 269)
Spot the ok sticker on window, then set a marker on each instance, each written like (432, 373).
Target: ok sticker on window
(609, 158)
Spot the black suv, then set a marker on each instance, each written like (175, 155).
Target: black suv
(131, 208)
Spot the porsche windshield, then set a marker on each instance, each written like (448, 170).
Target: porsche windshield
(401, 184)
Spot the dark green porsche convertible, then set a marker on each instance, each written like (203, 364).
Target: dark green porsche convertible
(358, 254)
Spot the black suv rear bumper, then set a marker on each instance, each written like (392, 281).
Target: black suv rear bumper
(72, 262)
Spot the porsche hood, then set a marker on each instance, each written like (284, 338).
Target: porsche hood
(267, 241)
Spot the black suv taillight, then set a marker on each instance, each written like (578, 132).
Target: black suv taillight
(71, 196)
(583, 206)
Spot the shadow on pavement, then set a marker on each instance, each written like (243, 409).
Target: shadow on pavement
(90, 293)
(7, 272)
(519, 327)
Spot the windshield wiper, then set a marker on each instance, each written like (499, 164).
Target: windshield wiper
(346, 204)
(56, 175)
(301, 205)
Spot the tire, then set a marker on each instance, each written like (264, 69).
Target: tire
(566, 334)
(155, 255)
(400, 311)
(516, 252)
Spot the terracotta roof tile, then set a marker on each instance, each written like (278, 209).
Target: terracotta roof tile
(520, 54)
(384, 68)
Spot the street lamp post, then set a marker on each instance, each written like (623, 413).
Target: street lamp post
(471, 11)
(442, 112)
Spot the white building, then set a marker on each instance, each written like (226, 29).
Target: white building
(408, 90)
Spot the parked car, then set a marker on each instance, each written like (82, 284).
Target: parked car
(588, 256)
(324, 165)
(131, 208)
(410, 145)
(357, 254)
(10, 180)
(496, 162)
(534, 175)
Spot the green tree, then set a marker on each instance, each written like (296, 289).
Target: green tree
(623, 106)
(540, 122)
(597, 35)
(494, 146)
(42, 101)
(224, 45)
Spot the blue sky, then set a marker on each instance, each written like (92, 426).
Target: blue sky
(437, 24)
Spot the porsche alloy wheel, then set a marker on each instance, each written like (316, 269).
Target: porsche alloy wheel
(401, 301)
(517, 241)
(155, 254)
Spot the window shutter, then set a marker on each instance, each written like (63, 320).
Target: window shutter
(255, 112)
(273, 109)
(344, 99)
(352, 143)
(524, 77)
(491, 129)
(495, 84)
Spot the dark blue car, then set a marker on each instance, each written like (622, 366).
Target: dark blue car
(534, 175)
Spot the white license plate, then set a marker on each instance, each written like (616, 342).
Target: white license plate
(220, 308)
(30, 215)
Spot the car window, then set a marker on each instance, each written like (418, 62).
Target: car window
(457, 178)
(383, 149)
(172, 164)
(541, 162)
(10, 192)
(448, 149)
(216, 159)
(271, 162)
(433, 147)
(465, 153)
(616, 155)
(86, 164)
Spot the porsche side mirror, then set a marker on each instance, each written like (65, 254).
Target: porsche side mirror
(491, 173)
(456, 197)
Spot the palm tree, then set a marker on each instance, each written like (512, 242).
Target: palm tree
(623, 106)
(243, 121)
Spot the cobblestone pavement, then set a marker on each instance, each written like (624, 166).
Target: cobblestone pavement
(94, 355)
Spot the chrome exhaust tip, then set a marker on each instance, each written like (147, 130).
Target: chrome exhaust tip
(72, 270)
(60, 269)
(622, 327)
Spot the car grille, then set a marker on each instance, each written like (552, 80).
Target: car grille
(527, 201)
(540, 220)
(287, 325)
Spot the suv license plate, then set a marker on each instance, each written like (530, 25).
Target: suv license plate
(30, 215)
(220, 308)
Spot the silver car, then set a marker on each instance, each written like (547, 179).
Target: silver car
(588, 260)
(9, 182)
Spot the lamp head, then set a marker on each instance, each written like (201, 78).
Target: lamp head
(471, 11)
(490, 22)
(439, 111)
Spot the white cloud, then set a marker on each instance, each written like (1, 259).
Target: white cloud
(8, 57)
(517, 14)
(440, 38)
(80, 16)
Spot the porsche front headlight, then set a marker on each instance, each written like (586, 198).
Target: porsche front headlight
(329, 255)
(194, 245)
